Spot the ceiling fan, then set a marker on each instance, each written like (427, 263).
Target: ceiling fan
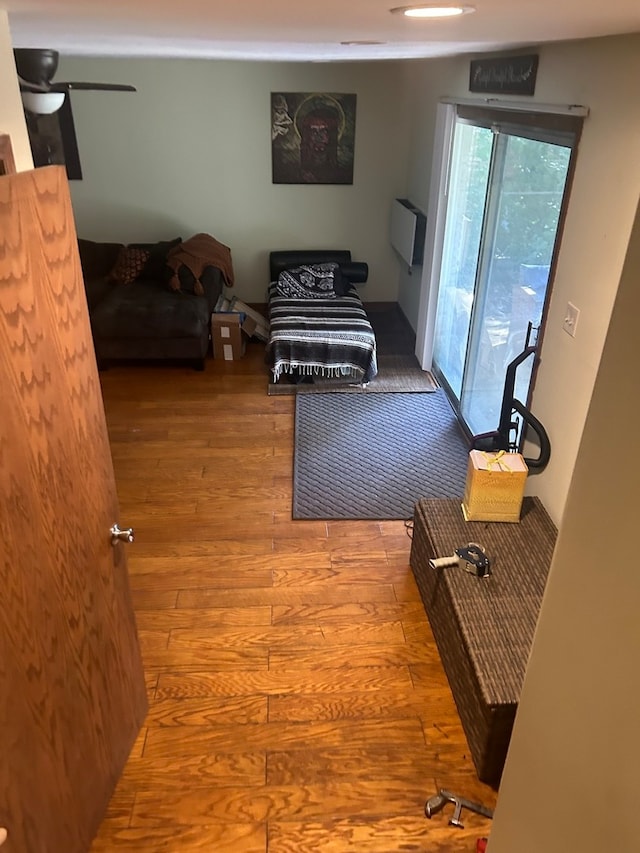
(36, 68)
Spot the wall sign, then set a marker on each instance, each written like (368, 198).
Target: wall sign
(506, 75)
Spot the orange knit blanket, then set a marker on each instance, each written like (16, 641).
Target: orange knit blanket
(197, 253)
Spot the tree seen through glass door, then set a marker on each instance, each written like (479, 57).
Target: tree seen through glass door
(505, 198)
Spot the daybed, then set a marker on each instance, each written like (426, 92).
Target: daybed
(318, 324)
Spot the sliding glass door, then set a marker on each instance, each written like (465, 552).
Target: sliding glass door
(505, 197)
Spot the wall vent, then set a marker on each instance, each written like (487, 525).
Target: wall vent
(408, 227)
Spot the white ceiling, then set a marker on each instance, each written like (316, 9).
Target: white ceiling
(303, 30)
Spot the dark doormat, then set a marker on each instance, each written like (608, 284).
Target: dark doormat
(373, 456)
(396, 374)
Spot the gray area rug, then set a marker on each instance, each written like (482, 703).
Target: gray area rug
(360, 456)
(396, 374)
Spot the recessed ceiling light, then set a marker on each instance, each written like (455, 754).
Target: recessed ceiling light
(441, 11)
(362, 42)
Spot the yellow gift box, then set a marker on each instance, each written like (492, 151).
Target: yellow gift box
(495, 486)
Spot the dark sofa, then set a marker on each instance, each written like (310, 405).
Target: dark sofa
(136, 314)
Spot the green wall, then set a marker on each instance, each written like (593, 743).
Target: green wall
(190, 151)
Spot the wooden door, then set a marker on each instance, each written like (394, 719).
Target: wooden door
(72, 695)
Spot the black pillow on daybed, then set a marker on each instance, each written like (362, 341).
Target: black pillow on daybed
(312, 281)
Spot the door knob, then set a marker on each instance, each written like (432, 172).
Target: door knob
(3, 835)
(118, 535)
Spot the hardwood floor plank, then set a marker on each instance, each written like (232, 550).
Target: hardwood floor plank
(398, 654)
(153, 600)
(210, 711)
(354, 529)
(212, 683)
(208, 576)
(156, 557)
(294, 637)
(195, 771)
(214, 657)
(197, 740)
(345, 706)
(152, 640)
(350, 613)
(201, 620)
(278, 803)
(119, 810)
(382, 835)
(286, 528)
(297, 699)
(215, 498)
(154, 450)
(328, 594)
(366, 571)
(406, 589)
(192, 530)
(265, 637)
(221, 838)
(441, 765)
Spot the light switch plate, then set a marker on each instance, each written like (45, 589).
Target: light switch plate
(570, 323)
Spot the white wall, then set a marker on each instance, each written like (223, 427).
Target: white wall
(11, 112)
(571, 778)
(602, 74)
(191, 151)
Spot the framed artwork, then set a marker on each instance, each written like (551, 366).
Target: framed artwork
(506, 75)
(53, 140)
(312, 137)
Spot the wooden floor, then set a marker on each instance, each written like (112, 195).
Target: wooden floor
(297, 701)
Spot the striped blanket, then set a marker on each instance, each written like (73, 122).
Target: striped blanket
(321, 337)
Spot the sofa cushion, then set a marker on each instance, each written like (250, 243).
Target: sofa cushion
(145, 309)
(96, 289)
(97, 259)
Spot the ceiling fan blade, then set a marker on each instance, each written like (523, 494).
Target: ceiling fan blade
(93, 87)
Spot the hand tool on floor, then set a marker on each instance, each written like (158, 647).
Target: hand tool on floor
(438, 802)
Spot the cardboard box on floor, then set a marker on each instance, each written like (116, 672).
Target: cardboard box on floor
(261, 330)
(230, 332)
(495, 486)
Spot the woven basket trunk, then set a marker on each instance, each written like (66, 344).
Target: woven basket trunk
(483, 627)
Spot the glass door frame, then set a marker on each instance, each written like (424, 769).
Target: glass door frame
(559, 126)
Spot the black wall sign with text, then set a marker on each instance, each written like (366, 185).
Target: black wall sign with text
(508, 75)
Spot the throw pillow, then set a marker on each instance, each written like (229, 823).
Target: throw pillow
(308, 281)
(155, 268)
(341, 283)
(129, 264)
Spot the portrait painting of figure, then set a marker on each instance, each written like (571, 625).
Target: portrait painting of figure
(312, 137)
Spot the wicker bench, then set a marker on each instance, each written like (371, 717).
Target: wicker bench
(483, 627)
